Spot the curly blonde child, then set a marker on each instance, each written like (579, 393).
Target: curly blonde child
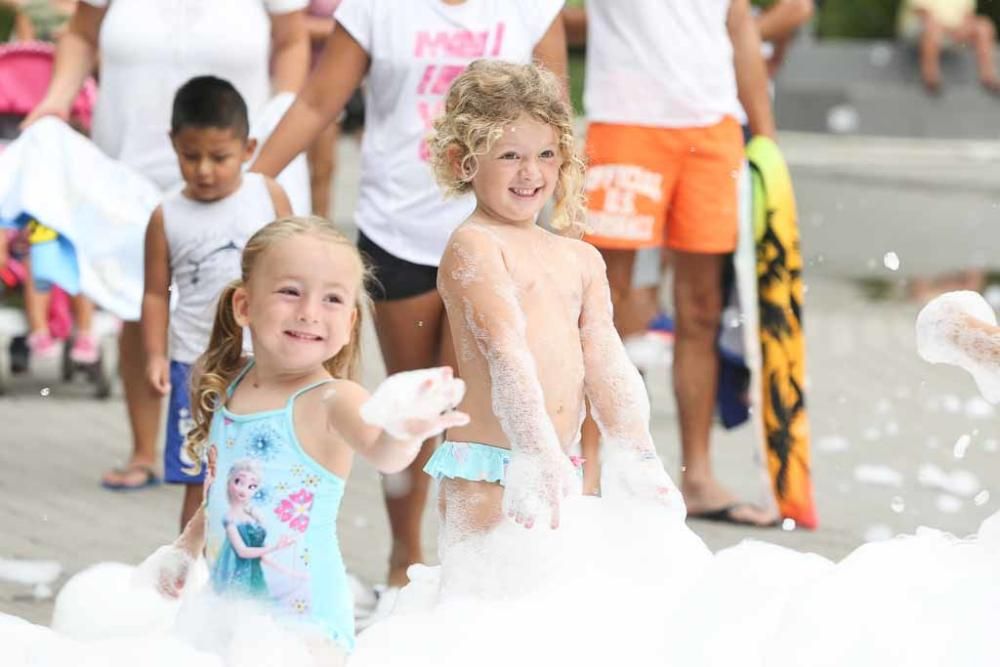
(488, 96)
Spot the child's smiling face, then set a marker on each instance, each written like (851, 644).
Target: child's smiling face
(519, 173)
(300, 302)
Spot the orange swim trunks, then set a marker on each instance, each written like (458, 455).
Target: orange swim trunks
(674, 187)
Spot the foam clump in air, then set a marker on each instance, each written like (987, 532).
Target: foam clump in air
(959, 328)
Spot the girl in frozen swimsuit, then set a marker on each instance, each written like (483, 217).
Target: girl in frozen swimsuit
(282, 428)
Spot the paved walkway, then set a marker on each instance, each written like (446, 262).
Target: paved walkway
(879, 414)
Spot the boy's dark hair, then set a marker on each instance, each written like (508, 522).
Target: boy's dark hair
(208, 101)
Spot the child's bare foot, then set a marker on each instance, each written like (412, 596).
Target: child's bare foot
(709, 501)
(991, 85)
(932, 84)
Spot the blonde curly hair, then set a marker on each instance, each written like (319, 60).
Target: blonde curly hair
(488, 96)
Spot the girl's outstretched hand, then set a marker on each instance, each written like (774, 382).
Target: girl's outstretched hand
(537, 481)
(416, 405)
(168, 568)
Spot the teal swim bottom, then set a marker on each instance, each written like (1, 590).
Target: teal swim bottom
(474, 462)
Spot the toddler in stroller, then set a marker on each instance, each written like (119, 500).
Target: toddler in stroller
(37, 316)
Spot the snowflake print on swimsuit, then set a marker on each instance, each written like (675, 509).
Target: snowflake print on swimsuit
(305, 557)
(311, 480)
(263, 443)
(262, 496)
(300, 605)
(294, 510)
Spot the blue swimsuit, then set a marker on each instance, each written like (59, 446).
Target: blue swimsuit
(291, 514)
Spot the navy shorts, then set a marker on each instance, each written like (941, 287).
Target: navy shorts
(179, 422)
(395, 278)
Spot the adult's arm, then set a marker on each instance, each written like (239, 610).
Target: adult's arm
(751, 73)
(550, 50)
(337, 75)
(783, 18)
(575, 24)
(76, 56)
(289, 51)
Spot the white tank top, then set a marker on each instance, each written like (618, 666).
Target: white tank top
(205, 241)
(660, 63)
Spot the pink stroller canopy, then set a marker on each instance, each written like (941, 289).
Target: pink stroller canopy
(25, 70)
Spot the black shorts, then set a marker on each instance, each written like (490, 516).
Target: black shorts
(395, 278)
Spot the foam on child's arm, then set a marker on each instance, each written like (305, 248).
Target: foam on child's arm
(477, 286)
(619, 403)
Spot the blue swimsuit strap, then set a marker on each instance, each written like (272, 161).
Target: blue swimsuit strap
(308, 387)
(239, 378)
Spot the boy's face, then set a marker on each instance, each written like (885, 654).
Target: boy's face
(211, 161)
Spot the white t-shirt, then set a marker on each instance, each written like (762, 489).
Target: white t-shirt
(205, 241)
(417, 48)
(660, 63)
(149, 48)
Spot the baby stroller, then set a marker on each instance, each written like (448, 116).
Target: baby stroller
(25, 70)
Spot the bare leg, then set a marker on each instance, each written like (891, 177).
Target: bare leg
(698, 305)
(930, 54)
(83, 313)
(193, 496)
(620, 264)
(36, 305)
(143, 405)
(413, 333)
(322, 162)
(590, 450)
(467, 508)
(983, 40)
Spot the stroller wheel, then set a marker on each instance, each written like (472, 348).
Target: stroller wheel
(5, 364)
(101, 373)
(99, 376)
(19, 354)
(67, 367)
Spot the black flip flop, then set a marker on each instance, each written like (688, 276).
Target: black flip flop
(727, 514)
(149, 479)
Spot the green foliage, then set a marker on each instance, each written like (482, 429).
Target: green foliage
(873, 19)
(6, 23)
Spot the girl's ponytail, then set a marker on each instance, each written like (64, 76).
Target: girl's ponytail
(214, 371)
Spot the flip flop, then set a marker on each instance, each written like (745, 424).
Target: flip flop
(149, 478)
(727, 514)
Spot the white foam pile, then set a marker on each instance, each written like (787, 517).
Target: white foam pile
(617, 583)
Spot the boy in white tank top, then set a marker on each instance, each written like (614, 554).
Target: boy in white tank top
(194, 241)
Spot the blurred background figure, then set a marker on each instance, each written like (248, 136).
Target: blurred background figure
(778, 21)
(39, 20)
(322, 153)
(142, 64)
(937, 24)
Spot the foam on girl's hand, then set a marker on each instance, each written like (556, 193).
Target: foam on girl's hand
(640, 475)
(949, 330)
(166, 570)
(408, 405)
